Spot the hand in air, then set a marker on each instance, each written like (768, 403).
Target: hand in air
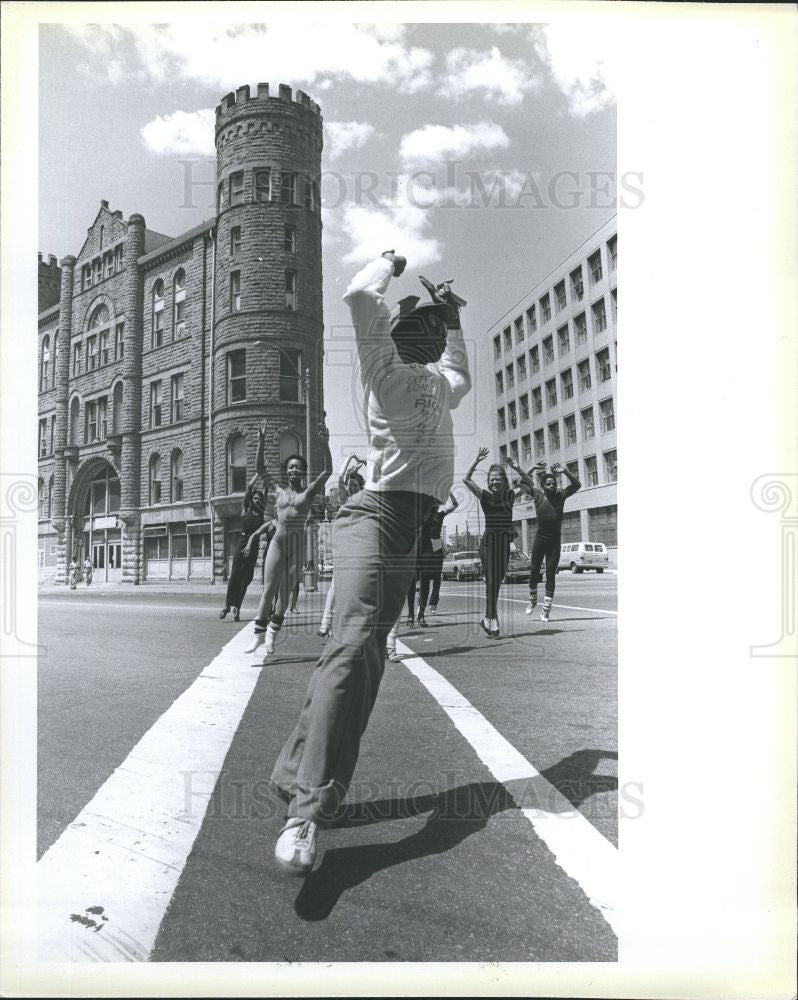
(482, 454)
(556, 468)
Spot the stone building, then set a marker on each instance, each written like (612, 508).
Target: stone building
(160, 357)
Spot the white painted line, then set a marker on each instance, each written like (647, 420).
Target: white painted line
(212, 611)
(578, 848)
(105, 884)
(515, 600)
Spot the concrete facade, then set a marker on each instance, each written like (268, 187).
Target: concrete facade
(554, 358)
(163, 355)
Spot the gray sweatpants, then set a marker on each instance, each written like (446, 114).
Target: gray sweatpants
(374, 540)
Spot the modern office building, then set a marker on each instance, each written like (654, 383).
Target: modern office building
(160, 356)
(555, 373)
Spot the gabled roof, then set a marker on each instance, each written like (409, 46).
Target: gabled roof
(153, 240)
(172, 244)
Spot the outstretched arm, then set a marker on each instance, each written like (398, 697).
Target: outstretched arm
(468, 481)
(266, 528)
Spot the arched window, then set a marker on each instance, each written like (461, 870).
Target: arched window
(103, 495)
(116, 417)
(237, 464)
(41, 498)
(179, 311)
(45, 364)
(50, 488)
(290, 444)
(99, 317)
(74, 420)
(177, 476)
(55, 356)
(157, 314)
(155, 479)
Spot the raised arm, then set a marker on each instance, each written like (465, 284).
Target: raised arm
(573, 481)
(525, 477)
(343, 495)
(260, 458)
(453, 363)
(452, 505)
(316, 484)
(468, 481)
(371, 317)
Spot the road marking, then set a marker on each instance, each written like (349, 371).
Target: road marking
(105, 884)
(302, 618)
(515, 600)
(578, 848)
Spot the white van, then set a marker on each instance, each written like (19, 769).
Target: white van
(579, 556)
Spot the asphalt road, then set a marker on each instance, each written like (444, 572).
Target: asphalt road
(441, 855)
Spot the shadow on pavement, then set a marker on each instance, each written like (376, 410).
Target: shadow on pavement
(456, 814)
(574, 776)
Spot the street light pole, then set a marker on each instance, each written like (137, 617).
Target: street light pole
(309, 577)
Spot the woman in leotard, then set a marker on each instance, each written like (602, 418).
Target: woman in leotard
(350, 481)
(286, 552)
(252, 518)
(494, 549)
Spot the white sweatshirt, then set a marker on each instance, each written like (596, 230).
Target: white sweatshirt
(408, 405)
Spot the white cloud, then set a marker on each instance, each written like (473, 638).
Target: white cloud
(401, 227)
(342, 136)
(227, 55)
(583, 61)
(488, 73)
(183, 132)
(433, 143)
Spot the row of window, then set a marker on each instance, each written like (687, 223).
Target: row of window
(580, 332)
(541, 311)
(291, 299)
(157, 493)
(102, 267)
(289, 240)
(506, 380)
(290, 385)
(95, 423)
(179, 306)
(98, 349)
(267, 186)
(606, 410)
(589, 476)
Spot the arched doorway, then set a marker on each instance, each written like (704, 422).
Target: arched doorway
(95, 497)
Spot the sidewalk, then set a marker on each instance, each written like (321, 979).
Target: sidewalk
(164, 587)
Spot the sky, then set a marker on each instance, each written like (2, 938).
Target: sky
(485, 153)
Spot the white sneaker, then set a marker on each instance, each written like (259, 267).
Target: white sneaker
(544, 613)
(258, 640)
(295, 850)
(433, 609)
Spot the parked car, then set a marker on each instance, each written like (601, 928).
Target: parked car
(519, 565)
(462, 566)
(579, 556)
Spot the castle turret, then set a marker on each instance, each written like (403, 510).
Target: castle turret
(268, 279)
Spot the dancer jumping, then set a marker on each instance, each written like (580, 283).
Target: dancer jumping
(494, 549)
(253, 518)
(413, 374)
(549, 504)
(284, 559)
(350, 481)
